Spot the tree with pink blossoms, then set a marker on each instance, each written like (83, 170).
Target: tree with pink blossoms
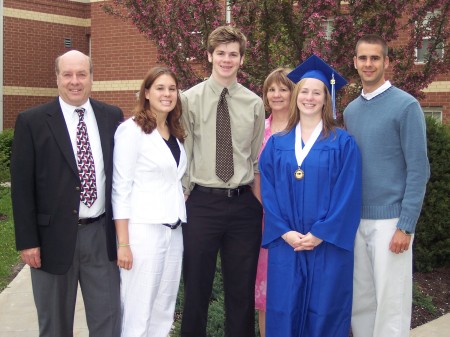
(286, 32)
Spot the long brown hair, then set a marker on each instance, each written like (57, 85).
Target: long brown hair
(142, 111)
(329, 124)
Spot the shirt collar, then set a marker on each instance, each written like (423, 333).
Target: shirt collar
(385, 86)
(217, 88)
(69, 110)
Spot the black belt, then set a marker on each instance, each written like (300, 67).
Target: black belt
(173, 226)
(87, 221)
(229, 192)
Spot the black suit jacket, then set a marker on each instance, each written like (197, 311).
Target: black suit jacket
(45, 187)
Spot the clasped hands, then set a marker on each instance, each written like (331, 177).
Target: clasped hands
(300, 241)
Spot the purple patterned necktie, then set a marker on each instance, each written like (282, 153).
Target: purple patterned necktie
(224, 144)
(85, 160)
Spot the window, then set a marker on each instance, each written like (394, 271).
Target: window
(435, 112)
(422, 52)
(195, 35)
(328, 27)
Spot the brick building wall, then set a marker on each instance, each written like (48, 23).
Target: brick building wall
(121, 58)
(438, 93)
(34, 33)
(33, 36)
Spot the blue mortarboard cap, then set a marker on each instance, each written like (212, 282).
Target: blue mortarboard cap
(315, 67)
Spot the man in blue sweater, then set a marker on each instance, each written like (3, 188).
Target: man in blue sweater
(389, 127)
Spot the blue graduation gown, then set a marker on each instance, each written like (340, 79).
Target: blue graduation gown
(309, 293)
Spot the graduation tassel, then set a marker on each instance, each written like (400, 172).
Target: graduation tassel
(333, 95)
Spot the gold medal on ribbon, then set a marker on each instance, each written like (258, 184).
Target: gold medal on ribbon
(299, 174)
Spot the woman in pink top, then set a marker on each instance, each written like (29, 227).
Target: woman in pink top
(277, 96)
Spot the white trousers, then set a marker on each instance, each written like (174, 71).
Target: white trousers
(149, 290)
(382, 283)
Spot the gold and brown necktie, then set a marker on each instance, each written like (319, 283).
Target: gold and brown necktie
(224, 144)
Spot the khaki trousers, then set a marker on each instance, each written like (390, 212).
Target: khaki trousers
(382, 283)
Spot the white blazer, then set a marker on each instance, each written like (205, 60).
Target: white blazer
(146, 180)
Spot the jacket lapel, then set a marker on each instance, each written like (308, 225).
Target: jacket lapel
(166, 154)
(103, 128)
(183, 161)
(58, 127)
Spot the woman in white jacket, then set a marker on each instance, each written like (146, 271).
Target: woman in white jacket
(149, 207)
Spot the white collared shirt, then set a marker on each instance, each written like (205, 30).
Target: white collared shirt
(71, 118)
(386, 85)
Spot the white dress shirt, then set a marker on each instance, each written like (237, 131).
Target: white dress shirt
(71, 118)
(385, 86)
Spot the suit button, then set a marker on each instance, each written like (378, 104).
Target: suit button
(74, 211)
(77, 188)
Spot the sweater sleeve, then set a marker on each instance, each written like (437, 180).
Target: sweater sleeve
(414, 145)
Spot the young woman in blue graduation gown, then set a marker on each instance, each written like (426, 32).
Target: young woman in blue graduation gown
(312, 210)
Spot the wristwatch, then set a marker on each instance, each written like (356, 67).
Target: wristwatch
(405, 232)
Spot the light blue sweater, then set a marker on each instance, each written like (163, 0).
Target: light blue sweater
(391, 134)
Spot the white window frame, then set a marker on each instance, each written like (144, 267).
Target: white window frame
(180, 45)
(423, 51)
(328, 27)
(433, 111)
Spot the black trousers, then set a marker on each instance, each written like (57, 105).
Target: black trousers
(231, 225)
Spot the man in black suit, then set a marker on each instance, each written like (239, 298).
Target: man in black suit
(61, 173)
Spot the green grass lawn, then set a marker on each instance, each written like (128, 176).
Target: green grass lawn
(9, 257)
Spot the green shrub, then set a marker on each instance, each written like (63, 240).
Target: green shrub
(9, 257)
(216, 312)
(6, 137)
(432, 239)
(424, 301)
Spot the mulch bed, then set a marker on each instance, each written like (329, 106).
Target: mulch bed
(435, 284)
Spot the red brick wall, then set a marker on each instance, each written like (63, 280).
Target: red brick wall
(30, 48)
(119, 51)
(124, 99)
(15, 104)
(59, 7)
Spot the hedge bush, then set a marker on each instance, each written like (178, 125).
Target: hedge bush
(432, 239)
(6, 138)
(216, 313)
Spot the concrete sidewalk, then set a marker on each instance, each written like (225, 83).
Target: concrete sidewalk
(18, 315)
